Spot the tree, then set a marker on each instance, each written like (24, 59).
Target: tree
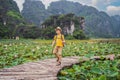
(10, 18)
(79, 34)
(48, 32)
(3, 31)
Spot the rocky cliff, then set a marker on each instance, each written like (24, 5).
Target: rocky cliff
(98, 24)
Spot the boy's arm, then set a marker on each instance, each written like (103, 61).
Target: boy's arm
(54, 40)
(53, 43)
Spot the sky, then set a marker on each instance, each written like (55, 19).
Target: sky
(112, 7)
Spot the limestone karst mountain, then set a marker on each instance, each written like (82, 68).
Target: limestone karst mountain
(98, 24)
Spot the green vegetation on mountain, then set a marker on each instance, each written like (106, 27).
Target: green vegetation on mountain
(34, 12)
(12, 23)
(98, 24)
(38, 22)
(70, 24)
(10, 18)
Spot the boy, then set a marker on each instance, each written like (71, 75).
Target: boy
(59, 42)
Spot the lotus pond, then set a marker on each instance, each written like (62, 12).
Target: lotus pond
(92, 70)
(15, 52)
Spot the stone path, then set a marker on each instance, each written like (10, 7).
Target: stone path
(41, 70)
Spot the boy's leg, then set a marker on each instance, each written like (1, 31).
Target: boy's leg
(55, 50)
(59, 54)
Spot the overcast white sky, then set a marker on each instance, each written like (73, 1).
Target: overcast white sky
(112, 7)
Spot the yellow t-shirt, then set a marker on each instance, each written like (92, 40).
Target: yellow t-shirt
(59, 40)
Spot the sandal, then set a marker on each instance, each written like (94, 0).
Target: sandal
(58, 64)
(57, 60)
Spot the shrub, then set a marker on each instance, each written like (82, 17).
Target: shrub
(79, 34)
